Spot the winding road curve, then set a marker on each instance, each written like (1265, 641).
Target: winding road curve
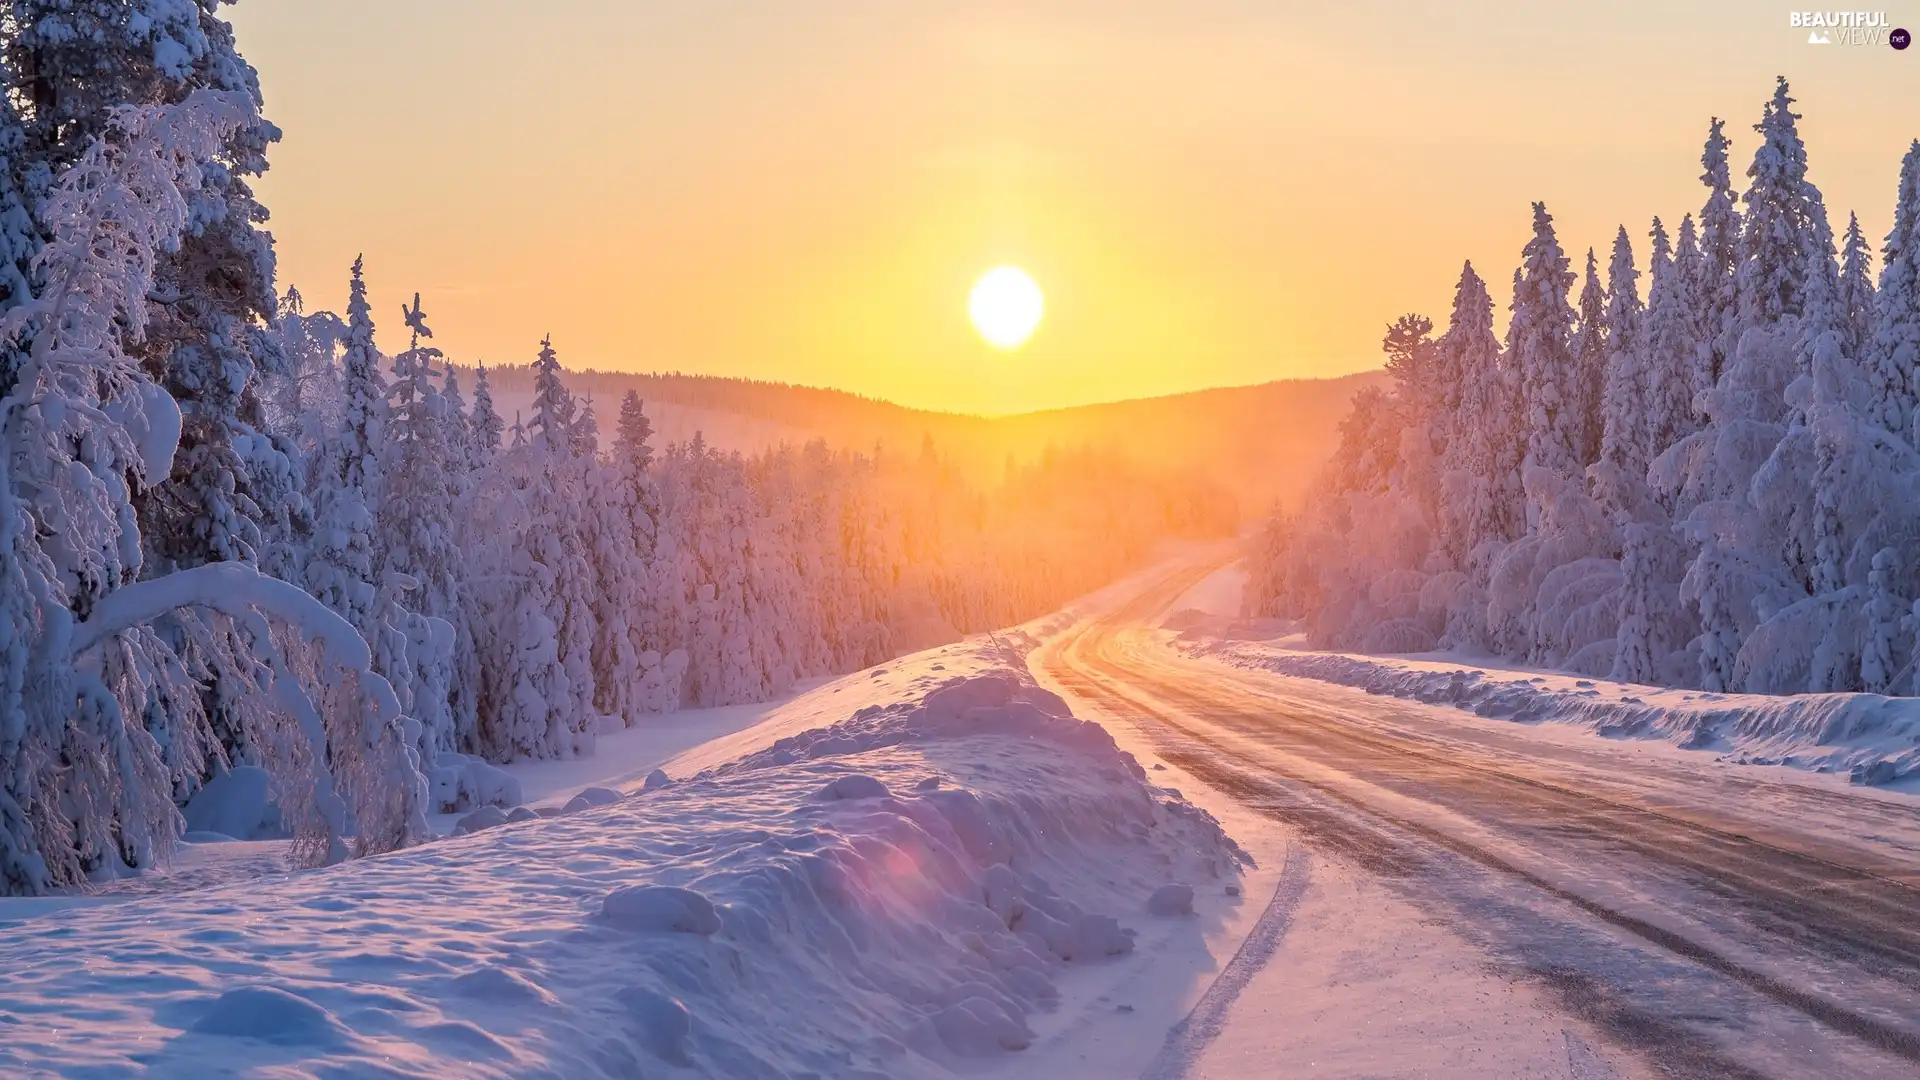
(1714, 920)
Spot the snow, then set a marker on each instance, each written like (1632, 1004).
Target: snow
(799, 900)
(236, 804)
(1868, 738)
(1175, 899)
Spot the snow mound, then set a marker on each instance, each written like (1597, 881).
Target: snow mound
(664, 1024)
(856, 786)
(733, 923)
(591, 797)
(271, 1014)
(1871, 739)
(1171, 900)
(486, 817)
(661, 909)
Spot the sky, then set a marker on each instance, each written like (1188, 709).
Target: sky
(1209, 192)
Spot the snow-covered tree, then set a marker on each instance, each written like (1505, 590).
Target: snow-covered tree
(423, 469)
(486, 424)
(1783, 222)
(1624, 436)
(586, 432)
(84, 785)
(1481, 465)
(1894, 353)
(342, 568)
(1720, 238)
(1856, 288)
(1668, 352)
(630, 447)
(1589, 349)
(551, 429)
(1879, 662)
(19, 239)
(1538, 343)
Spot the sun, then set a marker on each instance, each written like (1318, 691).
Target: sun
(1006, 305)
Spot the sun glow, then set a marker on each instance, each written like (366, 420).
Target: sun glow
(1006, 305)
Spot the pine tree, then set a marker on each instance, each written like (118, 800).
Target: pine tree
(19, 238)
(459, 423)
(1720, 232)
(1690, 263)
(1624, 437)
(1538, 343)
(1856, 288)
(73, 62)
(1878, 663)
(1481, 461)
(630, 447)
(86, 778)
(586, 432)
(486, 424)
(1894, 353)
(421, 461)
(1589, 349)
(341, 568)
(1783, 222)
(1668, 358)
(1636, 656)
(551, 430)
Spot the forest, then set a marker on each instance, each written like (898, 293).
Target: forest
(235, 530)
(1696, 469)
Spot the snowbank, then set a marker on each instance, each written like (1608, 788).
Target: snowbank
(890, 896)
(1871, 739)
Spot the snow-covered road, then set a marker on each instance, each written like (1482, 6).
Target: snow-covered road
(1496, 899)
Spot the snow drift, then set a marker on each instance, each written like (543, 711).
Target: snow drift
(1870, 738)
(882, 897)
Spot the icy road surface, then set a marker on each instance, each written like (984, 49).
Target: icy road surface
(1497, 899)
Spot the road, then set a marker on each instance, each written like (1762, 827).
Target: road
(1709, 920)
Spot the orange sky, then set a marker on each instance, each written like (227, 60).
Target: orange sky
(1209, 192)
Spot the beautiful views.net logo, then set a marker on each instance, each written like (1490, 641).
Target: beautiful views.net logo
(1847, 28)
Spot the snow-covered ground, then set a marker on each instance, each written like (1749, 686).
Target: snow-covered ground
(1867, 738)
(916, 870)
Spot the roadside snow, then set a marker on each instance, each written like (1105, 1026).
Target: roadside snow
(1868, 738)
(912, 888)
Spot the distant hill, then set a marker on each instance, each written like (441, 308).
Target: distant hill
(1265, 442)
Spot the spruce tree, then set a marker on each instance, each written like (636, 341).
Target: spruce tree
(1894, 353)
(630, 446)
(1720, 229)
(1624, 437)
(486, 423)
(19, 236)
(1538, 340)
(551, 429)
(1856, 288)
(341, 568)
(1482, 457)
(586, 432)
(1589, 349)
(1667, 359)
(1784, 219)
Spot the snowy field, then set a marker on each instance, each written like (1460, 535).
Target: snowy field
(1867, 738)
(912, 871)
